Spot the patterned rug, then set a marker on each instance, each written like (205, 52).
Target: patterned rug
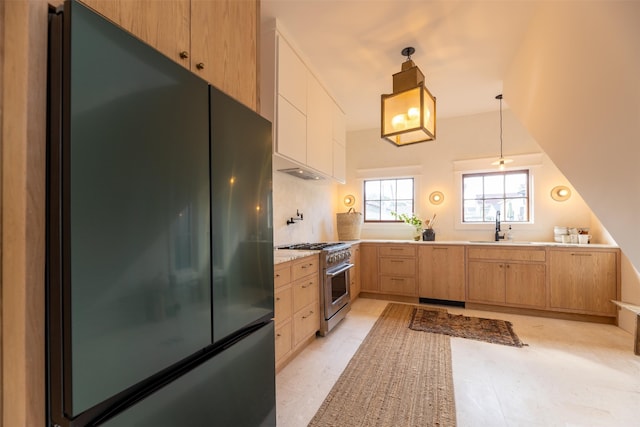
(397, 378)
(476, 328)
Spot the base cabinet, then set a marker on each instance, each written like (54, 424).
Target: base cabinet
(441, 272)
(369, 267)
(584, 281)
(297, 309)
(509, 277)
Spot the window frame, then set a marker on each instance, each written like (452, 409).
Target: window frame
(365, 200)
(504, 198)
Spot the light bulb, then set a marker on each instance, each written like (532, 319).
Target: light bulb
(399, 122)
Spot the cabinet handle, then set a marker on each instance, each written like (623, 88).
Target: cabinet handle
(397, 260)
(395, 279)
(184, 54)
(440, 249)
(277, 298)
(278, 335)
(508, 265)
(310, 313)
(579, 254)
(396, 249)
(200, 65)
(307, 285)
(306, 266)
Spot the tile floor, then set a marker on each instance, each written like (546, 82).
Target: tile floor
(571, 374)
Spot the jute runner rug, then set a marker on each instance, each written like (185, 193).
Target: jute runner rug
(398, 377)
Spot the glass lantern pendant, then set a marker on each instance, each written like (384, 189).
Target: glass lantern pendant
(409, 113)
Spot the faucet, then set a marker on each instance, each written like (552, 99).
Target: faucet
(498, 236)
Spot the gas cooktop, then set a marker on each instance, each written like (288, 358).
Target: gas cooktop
(312, 246)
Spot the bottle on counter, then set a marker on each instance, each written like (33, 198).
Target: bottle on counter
(509, 235)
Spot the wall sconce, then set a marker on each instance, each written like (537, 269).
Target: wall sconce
(560, 193)
(436, 197)
(409, 113)
(349, 200)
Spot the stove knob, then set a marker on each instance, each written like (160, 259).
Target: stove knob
(332, 259)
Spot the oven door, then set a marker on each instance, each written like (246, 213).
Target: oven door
(336, 289)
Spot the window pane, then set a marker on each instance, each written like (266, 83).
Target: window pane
(516, 185)
(405, 189)
(405, 206)
(472, 187)
(493, 186)
(372, 190)
(387, 208)
(473, 210)
(372, 211)
(491, 207)
(388, 190)
(516, 210)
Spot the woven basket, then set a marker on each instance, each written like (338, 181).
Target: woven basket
(349, 225)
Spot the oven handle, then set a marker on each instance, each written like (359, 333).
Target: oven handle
(340, 270)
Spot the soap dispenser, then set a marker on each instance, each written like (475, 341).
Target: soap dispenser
(509, 235)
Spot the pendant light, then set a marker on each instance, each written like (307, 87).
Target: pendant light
(409, 113)
(501, 161)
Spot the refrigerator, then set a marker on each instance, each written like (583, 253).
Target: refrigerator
(159, 239)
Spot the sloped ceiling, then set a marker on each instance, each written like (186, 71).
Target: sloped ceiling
(462, 47)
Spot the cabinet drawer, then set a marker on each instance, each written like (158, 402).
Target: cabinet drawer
(304, 267)
(283, 340)
(507, 254)
(397, 266)
(305, 291)
(283, 305)
(398, 285)
(281, 274)
(305, 323)
(400, 250)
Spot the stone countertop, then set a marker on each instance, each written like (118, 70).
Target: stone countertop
(286, 255)
(489, 243)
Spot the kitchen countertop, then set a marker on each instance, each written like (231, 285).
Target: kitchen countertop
(286, 255)
(489, 243)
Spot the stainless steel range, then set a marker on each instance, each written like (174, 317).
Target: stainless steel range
(335, 266)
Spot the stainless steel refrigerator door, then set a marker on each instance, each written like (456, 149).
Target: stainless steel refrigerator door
(241, 206)
(136, 219)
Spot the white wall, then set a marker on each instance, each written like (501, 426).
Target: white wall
(432, 163)
(574, 85)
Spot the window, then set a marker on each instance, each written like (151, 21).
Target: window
(484, 194)
(383, 196)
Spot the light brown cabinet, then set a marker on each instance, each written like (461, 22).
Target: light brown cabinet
(354, 280)
(369, 267)
(296, 307)
(441, 272)
(584, 281)
(217, 40)
(507, 276)
(395, 269)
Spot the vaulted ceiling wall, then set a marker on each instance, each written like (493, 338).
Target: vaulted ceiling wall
(574, 85)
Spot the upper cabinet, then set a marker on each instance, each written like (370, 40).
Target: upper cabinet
(309, 126)
(217, 40)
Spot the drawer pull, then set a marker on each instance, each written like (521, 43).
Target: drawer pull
(440, 249)
(307, 285)
(395, 279)
(278, 335)
(397, 260)
(310, 313)
(277, 275)
(396, 249)
(277, 298)
(579, 254)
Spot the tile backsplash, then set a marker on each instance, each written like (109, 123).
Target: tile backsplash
(316, 200)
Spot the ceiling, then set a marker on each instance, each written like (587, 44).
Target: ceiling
(463, 48)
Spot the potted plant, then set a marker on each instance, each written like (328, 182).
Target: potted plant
(411, 220)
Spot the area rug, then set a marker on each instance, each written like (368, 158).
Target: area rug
(397, 377)
(440, 322)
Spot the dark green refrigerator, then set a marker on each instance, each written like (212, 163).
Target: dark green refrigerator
(159, 239)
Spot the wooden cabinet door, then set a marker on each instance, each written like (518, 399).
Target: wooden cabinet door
(396, 285)
(486, 282)
(441, 272)
(525, 285)
(369, 268)
(354, 286)
(583, 281)
(164, 25)
(224, 46)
